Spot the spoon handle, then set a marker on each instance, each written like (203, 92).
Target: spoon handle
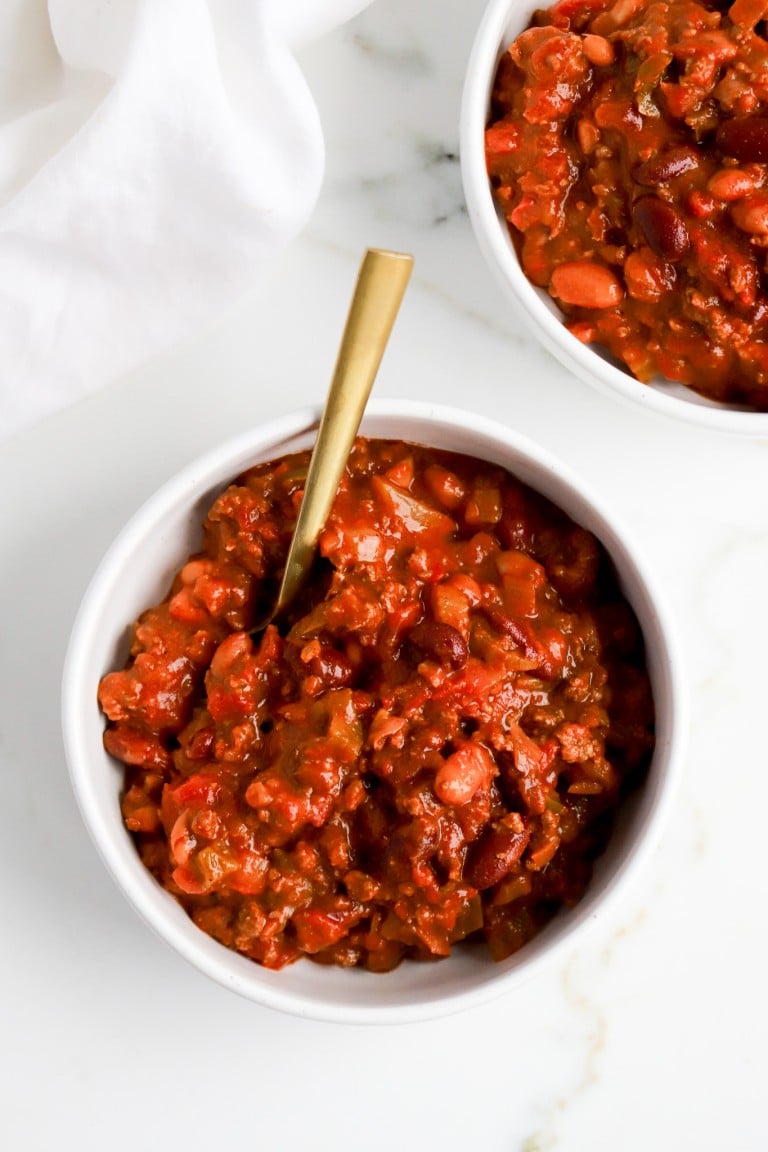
(381, 284)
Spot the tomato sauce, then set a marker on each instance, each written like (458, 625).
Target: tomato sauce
(428, 749)
(628, 150)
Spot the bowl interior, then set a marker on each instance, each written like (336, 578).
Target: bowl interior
(137, 572)
(502, 22)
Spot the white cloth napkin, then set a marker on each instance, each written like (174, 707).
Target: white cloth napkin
(154, 155)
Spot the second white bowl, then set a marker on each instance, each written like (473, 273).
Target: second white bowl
(502, 22)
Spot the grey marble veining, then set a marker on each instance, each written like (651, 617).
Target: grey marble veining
(651, 1035)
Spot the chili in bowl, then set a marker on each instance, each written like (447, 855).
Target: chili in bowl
(455, 748)
(615, 172)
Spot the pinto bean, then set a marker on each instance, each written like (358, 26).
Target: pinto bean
(745, 138)
(588, 136)
(701, 204)
(598, 50)
(752, 215)
(663, 227)
(584, 284)
(467, 770)
(732, 184)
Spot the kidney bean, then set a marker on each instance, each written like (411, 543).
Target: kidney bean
(585, 284)
(663, 227)
(520, 631)
(494, 856)
(440, 642)
(745, 138)
(331, 666)
(667, 166)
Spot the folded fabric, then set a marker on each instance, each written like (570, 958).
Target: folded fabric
(154, 156)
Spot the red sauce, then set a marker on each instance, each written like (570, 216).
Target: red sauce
(628, 150)
(431, 747)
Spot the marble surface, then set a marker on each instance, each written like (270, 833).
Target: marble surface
(653, 1034)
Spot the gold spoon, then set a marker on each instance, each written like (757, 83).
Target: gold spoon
(381, 284)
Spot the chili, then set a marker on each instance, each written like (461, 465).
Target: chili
(628, 151)
(430, 749)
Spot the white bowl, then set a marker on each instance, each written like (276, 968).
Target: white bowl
(502, 21)
(136, 572)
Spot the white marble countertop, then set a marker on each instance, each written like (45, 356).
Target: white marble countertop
(653, 1034)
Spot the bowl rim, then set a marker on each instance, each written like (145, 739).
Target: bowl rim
(499, 253)
(181, 490)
